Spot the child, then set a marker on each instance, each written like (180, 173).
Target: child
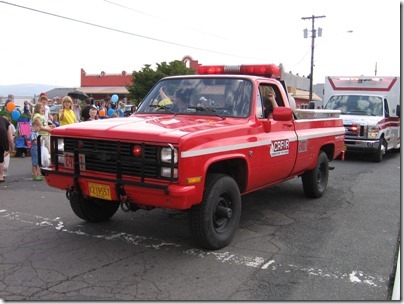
(36, 173)
(121, 110)
(66, 114)
(92, 113)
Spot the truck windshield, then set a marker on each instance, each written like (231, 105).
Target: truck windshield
(226, 97)
(356, 104)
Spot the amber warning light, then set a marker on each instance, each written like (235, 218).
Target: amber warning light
(266, 70)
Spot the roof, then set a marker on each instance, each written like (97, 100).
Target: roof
(58, 92)
(300, 94)
(103, 90)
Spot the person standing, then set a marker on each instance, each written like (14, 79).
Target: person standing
(121, 109)
(77, 109)
(36, 172)
(85, 115)
(39, 111)
(66, 113)
(44, 100)
(6, 143)
(27, 110)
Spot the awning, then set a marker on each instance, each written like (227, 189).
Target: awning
(103, 90)
(300, 94)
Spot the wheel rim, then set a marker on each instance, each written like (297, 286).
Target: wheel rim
(321, 176)
(221, 220)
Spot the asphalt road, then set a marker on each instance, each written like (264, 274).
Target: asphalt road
(342, 246)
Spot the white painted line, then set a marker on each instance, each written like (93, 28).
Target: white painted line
(396, 296)
(354, 276)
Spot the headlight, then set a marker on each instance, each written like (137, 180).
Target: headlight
(373, 131)
(61, 144)
(166, 172)
(61, 148)
(169, 155)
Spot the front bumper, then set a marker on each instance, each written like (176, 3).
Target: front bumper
(362, 144)
(172, 196)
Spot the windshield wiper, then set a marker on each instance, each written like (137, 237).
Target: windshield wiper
(165, 108)
(208, 110)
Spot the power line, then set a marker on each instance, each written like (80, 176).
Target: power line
(119, 31)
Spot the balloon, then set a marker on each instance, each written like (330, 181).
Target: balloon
(114, 98)
(101, 112)
(10, 106)
(110, 112)
(15, 114)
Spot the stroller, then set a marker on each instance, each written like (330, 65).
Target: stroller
(22, 142)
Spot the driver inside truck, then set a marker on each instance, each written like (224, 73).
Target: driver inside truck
(268, 99)
(181, 99)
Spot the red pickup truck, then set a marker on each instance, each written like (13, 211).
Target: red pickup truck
(196, 143)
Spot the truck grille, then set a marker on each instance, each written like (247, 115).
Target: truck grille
(116, 157)
(354, 131)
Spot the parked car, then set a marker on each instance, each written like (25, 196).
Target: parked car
(128, 110)
(55, 109)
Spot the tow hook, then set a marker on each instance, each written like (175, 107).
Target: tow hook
(125, 203)
(70, 193)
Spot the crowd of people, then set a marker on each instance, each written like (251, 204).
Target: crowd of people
(42, 122)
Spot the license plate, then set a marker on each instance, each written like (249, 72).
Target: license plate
(69, 161)
(99, 191)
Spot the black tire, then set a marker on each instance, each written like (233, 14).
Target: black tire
(381, 150)
(315, 181)
(214, 222)
(91, 209)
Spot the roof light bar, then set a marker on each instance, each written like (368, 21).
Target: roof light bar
(266, 70)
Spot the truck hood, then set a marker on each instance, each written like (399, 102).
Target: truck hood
(360, 119)
(167, 128)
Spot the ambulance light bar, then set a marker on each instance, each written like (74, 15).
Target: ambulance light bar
(266, 70)
(359, 79)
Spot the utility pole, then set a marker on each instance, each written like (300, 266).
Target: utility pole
(313, 36)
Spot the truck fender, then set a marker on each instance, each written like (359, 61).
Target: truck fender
(234, 165)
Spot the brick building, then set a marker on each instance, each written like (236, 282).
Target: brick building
(103, 85)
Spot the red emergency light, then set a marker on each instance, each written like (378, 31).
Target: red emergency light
(266, 70)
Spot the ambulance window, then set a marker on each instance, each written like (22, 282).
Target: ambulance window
(386, 108)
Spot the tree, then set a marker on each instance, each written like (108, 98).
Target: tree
(145, 79)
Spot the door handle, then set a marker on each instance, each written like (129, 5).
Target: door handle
(288, 124)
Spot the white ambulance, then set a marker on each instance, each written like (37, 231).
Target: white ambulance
(370, 109)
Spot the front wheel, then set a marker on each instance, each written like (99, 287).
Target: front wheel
(91, 209)
(381, 150)
(214, 222)
(315, 181)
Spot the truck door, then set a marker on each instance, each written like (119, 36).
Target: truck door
(277, 158)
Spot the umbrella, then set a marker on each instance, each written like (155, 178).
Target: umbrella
(78, 95)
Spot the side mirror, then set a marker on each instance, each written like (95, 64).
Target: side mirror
(398, 111)
(282, 114)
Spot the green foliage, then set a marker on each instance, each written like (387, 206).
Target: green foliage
(6, 113)
(144, 80)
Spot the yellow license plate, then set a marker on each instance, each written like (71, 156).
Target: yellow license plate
(99, 191)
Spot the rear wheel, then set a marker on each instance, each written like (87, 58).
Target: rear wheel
(315, 181)
(214, 222)
(91, 209)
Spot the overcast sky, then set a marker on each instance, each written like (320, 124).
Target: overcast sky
(48, 41)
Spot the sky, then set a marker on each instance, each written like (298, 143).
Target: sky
(49, 42)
